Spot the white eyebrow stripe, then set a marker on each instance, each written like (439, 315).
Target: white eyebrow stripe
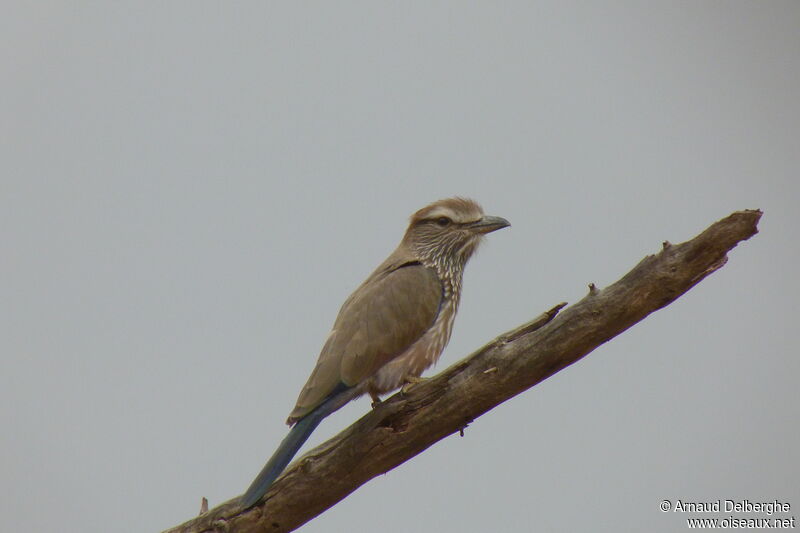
(444, 211)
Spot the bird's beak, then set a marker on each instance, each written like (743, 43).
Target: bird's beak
(489, 224)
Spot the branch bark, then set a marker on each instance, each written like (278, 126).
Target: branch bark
(406, 424)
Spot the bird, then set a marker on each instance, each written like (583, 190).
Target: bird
(392, 328)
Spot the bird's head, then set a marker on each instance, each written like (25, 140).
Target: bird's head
(446, 233)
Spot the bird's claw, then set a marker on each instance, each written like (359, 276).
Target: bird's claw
(410, 381)
(376, 400)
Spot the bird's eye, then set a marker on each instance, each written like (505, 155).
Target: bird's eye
(443, 221)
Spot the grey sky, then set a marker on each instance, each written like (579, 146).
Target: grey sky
(189, 190)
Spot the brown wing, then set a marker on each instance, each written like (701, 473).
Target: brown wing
(379, 321)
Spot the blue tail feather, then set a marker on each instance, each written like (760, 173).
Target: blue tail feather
(287, 449)
(292, 443)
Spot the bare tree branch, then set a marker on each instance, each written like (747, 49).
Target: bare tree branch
(406, 424)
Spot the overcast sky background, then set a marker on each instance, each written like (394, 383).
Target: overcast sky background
(189, 191)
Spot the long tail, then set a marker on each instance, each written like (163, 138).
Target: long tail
(292, 443)
(288, 448)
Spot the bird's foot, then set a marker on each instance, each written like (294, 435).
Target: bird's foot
(376, 400)
(410, 381)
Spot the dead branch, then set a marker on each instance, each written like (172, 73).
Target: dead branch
(406, 424)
